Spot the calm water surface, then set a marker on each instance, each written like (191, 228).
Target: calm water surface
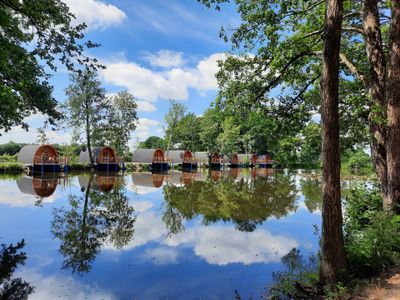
(144, 236)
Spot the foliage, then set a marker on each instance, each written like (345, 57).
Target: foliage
(357, 161)
(10, 148)
(10, 258)
(372, 237)
(172, 119)
(35, 33)
(299, 272)
(153, 142)
(86, 107)
(42, 137)
(121, 119)
(11, 167)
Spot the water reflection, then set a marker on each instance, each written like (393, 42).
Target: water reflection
(10, 287)
(101, 215)
(236, 197)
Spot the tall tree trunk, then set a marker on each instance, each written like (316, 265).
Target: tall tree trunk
(393, 110)
(333, 257)
(376, 90)
(88, 135)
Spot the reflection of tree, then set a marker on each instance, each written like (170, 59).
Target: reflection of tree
(10, 258)
(312, 192)
(90, 222)
(247, 202)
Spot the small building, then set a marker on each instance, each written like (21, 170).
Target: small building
(183, 158)
(105, 158)
(265, 161)
(216, 161)
(39, 158)
(234, 161)
(40, 187)
(155, 158)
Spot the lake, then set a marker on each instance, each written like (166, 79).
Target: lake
(202, 235)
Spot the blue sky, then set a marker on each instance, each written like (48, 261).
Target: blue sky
(155, 49)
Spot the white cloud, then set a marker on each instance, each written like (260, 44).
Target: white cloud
(145, 106)
(224, 245)
(95, 13)
(61, 287)
(161, 255)
(175, 83)
(146, 127)
(165, 58)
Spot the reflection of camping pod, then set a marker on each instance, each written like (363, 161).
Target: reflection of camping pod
(174, 178)
(264, 172)
(201, 158)
(40, 158)
(265, 161)
(187, 177)
(42, 187)
(105, 158)
(102, 182)
(153, 157)
(184, 158)
(216, 175)
(216, 161)
(234, 172)
(148, 179)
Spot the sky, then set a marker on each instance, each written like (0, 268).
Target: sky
(155, 49)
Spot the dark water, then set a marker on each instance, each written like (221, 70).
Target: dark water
(144, 236)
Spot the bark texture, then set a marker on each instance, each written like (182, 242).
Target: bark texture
(333, 258)
(376, 90)
(393, 110)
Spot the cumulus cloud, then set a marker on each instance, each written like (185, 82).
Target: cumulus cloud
(150, 85)
(95, 13)
(146, 127)
(224, 245)
(165, 58)
(61, 287)
(161, 255)
(145, 106)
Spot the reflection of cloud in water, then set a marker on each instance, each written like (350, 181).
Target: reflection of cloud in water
(162, 255)
(61, 287)
(142, 190)
(141, 206)
(148, 227)
(224, 245)
(11, 195)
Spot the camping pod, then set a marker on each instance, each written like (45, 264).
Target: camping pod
(153, 157)
(105, 158)
(216, 161)
(40, 158)
(184, 158)
(265, 161)
(41, 187)
(234, 161)
(152, 180)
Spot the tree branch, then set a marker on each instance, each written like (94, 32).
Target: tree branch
(353, 69)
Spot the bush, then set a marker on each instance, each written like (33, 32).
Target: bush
(11, 167)
(357, 161)
(78, 166)
(372, 237)
(6, 158)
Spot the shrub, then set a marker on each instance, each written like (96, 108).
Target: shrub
(357, 161)
(11, 167)
(372, 237)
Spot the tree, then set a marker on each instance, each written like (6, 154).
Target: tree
(121, 121)
(175, 114)
(393, 111)
(42, 137)
(210, 127)
(188, 132)
(86, 106)
(310, 145)
(47, 27)
(229, 137)
(153, 142)
(333, 256)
